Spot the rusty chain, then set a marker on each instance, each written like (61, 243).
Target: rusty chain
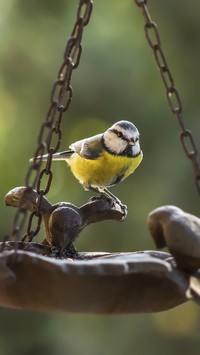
(173, 96)
(60, 99)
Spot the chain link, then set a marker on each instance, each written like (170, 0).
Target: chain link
(60, 99)
(173, 96)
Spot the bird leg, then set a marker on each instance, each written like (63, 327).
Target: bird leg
(111, 196)
(102, 193)
(105, 193)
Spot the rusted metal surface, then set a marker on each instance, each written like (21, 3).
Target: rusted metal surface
(50, 134)
(34, 276)
(53, 276)
(172, 93)
(60, 100)
(63, 221)
(180, 232)
(101, 283)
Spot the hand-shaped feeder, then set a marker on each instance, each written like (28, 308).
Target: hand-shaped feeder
(52, 275)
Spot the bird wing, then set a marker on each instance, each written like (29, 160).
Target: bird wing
(89, 148)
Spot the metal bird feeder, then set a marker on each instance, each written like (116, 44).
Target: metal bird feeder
(104, 283)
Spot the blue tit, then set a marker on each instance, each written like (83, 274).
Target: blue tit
(105, 159)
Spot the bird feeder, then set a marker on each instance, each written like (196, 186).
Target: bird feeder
(49, 276)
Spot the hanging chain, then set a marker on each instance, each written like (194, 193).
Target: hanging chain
(173, 96)
(60, 99)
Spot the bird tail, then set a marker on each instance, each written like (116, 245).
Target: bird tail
(57, 156)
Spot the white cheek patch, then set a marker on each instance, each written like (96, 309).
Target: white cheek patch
(118, 145)
(136, 149)
(114, 144)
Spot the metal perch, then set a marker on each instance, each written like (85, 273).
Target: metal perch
(63, 221)
(34, 276)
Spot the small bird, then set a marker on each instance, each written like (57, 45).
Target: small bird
(105, 159)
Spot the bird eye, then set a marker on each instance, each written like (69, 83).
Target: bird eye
(119, 134)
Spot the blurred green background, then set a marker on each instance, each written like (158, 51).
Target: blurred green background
(117, 79)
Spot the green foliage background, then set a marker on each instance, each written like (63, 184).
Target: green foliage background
(117, 79)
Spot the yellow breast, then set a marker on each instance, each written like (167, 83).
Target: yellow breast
(104, 171)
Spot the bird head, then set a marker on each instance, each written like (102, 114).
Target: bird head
(122, 139)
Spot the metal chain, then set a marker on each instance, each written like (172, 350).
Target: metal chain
(173, 96)
(60, 99)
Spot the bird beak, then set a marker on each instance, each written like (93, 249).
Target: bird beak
(131, 142)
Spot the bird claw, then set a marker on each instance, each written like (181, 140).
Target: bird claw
(115, 204)
(69, 252)
(121, 208)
